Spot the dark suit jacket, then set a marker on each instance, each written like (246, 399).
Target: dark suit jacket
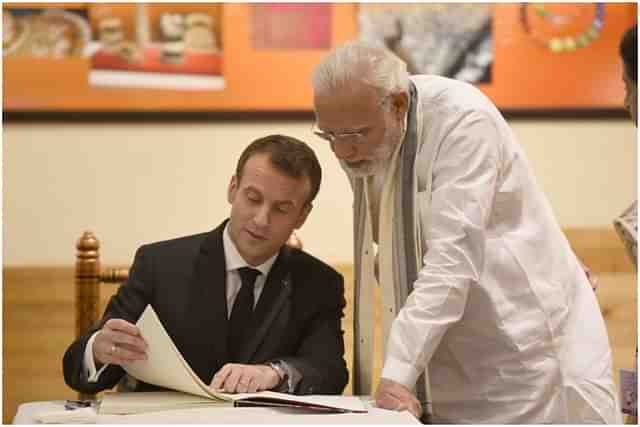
(297, 318)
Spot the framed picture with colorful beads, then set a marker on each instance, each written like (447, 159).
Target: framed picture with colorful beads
(542, 57)
(229, 57)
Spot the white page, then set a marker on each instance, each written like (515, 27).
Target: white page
(140, 402)
(165, 365)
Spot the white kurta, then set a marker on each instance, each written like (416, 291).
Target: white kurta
(502, 311)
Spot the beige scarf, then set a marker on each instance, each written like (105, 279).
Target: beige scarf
(400, 251)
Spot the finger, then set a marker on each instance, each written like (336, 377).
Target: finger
(109, 355)
(108, 337)
(391, 393)
(117, 360)
(127, 354)
(122, 326)
(243, 385)
(131, 341)
(416, 409)
(231, 383)
(398, 391)
(244, 380)
(254, 384)
(412, 405)
(220, 377)
(387, 402)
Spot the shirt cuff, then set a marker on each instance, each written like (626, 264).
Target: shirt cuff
(400, 372)
(89, 364)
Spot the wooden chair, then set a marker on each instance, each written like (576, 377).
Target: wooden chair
(88, 277)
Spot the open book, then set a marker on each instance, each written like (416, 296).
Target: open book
(115, 403)
(165, 367)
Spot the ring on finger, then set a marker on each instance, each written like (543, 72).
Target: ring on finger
(113, 349)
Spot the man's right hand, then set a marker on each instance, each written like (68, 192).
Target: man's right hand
(119, 342)
(396, 397)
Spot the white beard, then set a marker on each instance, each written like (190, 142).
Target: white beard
(392, 137)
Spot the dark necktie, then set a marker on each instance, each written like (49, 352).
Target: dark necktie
(242, 313)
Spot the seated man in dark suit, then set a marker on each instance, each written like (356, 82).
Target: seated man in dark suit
(280, 331)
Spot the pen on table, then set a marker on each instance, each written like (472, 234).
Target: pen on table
(77, 404)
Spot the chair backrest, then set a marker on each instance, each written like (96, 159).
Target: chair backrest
(88, 277)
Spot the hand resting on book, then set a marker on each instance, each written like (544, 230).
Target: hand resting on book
(239, 378)
(119, 342)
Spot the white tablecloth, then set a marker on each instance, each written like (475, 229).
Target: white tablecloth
(27, 415)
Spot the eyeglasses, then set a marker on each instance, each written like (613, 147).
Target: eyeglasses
(354, 136)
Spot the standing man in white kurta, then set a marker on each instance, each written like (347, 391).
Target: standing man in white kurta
(488, 315)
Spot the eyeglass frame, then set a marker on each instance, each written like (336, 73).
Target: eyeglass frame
(332, 137)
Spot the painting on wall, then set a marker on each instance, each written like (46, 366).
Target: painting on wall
(157, 46)
(448, 39)
(526, 57)
(53, 33)
(291, 25)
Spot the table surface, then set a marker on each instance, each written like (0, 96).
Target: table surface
(220, 415)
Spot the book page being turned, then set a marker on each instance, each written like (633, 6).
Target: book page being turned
(165, 365)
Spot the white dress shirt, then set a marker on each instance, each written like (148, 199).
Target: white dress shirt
(233, 261)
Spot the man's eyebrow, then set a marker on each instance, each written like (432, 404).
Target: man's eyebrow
(277, 202)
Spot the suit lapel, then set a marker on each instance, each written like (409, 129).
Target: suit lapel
(276, 292)
(207, 322)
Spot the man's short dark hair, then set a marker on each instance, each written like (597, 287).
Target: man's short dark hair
(629, 52)
(288, 155)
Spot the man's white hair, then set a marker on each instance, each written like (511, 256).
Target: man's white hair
(361, 62)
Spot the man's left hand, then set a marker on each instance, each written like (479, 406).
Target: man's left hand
(395, 396)
(238, 378)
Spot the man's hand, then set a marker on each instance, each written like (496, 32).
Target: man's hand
(119, 342)
(237, 378)
(395, 396)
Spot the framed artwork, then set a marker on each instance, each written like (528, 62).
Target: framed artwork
(243, 57)
(166, 57)
(524, 56)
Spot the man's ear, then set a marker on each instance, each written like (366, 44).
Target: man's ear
(233, 188)
(303, 215)
(400, 104)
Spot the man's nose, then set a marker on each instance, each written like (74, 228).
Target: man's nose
(261, 218)
(343, 149)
